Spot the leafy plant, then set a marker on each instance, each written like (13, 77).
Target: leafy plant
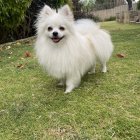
(112, 18)
(87, 4)
(12, 15)
(138, 5)
(58, 3)
(12, 12)
(17, 17)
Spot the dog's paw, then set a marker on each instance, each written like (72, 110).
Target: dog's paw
(67, 92)
(104, 70)
(60, 84)
(69, 89)
(91, 72)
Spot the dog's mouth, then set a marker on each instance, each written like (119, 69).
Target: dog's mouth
(57, 39)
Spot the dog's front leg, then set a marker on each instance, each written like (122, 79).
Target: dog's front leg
(61, 83)
(72, 82)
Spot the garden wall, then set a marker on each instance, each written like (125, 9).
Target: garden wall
(107, 13)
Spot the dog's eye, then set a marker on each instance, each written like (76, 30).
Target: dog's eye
(61, 28)
(50, 28)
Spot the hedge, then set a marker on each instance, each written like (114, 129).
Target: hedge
(17, 17)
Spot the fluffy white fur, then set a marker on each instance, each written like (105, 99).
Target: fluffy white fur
(82, 42)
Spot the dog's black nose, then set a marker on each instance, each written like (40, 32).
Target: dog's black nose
(55, 34)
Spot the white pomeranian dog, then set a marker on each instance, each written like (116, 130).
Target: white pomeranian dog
(68, 49)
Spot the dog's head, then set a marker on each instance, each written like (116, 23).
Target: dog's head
(55, 25)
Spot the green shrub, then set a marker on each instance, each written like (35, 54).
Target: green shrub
(138, 5)
(17, 17)
(62, 2)
(110, 19)
(12, 12)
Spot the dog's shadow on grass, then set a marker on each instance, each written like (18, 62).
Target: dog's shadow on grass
(91, 79)
(53, 97)
(88, 80)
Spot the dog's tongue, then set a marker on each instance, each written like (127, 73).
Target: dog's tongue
(56, 40)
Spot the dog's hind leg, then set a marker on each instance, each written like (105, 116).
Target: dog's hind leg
(92, 70)
(61, 83)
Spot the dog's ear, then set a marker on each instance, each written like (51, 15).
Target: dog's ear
(66, 11)
(47, 10)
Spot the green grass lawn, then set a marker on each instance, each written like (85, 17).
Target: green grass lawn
(104, 107)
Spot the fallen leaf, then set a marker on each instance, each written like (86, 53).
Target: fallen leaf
(18, 43)
(1, 49)
(120, 55)
(20, 66)
(10, 53)
(8, 47)
(22, 58)
(27, 54)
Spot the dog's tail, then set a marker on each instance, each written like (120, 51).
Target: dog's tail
(99, 38)
(86, 26)
(103, 45)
